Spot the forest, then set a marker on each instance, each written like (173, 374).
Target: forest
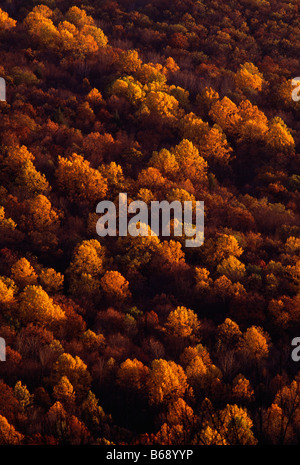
(142, 340)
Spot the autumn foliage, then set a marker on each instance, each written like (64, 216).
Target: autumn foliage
(141, 340)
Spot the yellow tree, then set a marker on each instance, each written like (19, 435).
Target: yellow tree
(225, 246)
(133, 374)
(31, 180)
(225, 288)
(278, 137)
(161, 108)
(8, 435)
(6, 224)
(152, 178)
(248, 77)
(214, 147)
(179, 425)
(225, 113)
(23, 395)
(169, 256)
(183, 323)
(150, 74)
(229, 334)
(206, 99)
(203, 281)
(167, 382)
(16, 157)
(234, 425)
(76, 371)
(51, 280)
(7, 290)
(277, 427)
(192, 165)
(40, 215)
(86, 267)
(79, 180)
(193, 128)
(129, 88)
(37, 307)
(93, 341)
(241, 389)
(95, 98)
(254, 123)
(115, 286)
(129, 62)
(41, 26)
(254, 344)
(23, 273)
(165, 162)
(79, 17)
(63, 391)
(93, 413)
(232, 268)
(6, 23)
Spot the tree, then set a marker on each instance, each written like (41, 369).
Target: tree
(254, 344)
(32, 181)
(151, 178)
(161, 108)
(279, 137)
(95, 98)
(115, 286)
(192, 165)
(253, 125)
(93, 414)
(93, 341)
(165, 162)
(41, 26)
(203, 281)
(76, 371)
(40, 215)
(179, 425)
(170, 256)
(37, 307)
(234, 425)
(63, 392)
(23, 395)
(76, 35)
(232, 268)
(215, 147)
(7, 290)
(248, 78)
(277, 426)
(225, 246)
(16, 157)
(226, 289)
(167, 382)
(6, 23)
(129, 88)
(6, 224)
(8, 434)
(242, 390)
(194, 128)
(78, 17)
(23, 273)
(51, 280)
(79, 180)
(133, 375)
(183, 323)
(225, 113)
(129, 62)
(86, 267)
(229, 334)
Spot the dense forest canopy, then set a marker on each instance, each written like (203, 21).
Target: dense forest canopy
(141, 340)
